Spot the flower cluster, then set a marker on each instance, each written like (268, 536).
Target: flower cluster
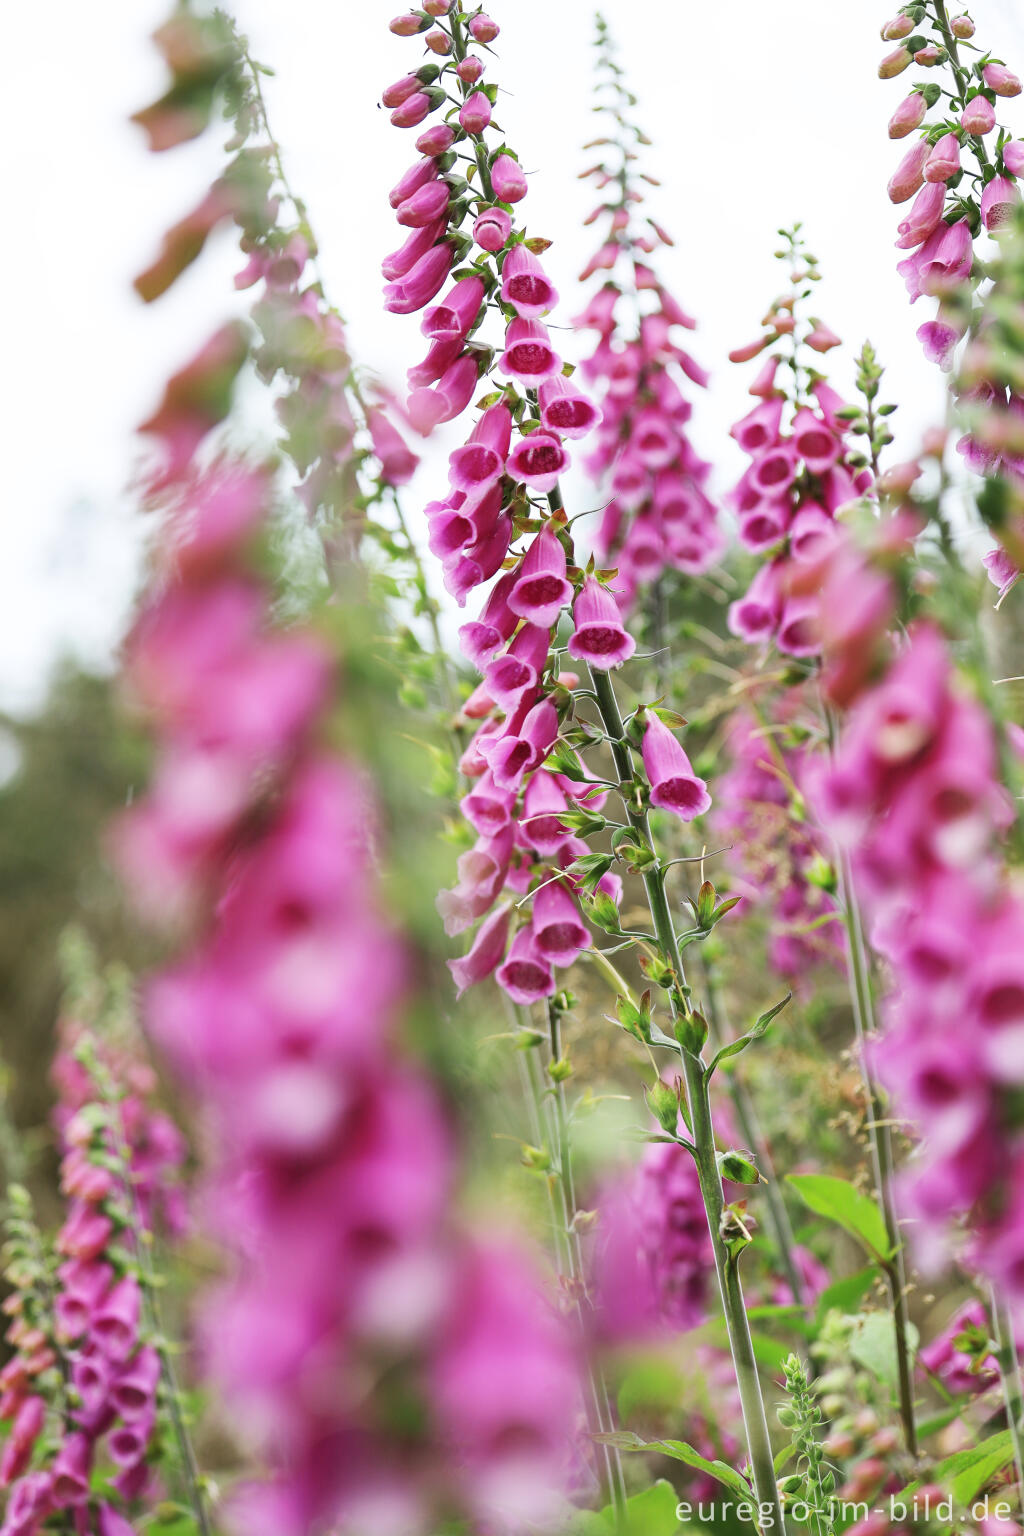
(913, 798)
(660, 515)
(777, 852)
(799, 477)
(333, 1157)
(83, 1387)
(946, 216)
(526, 818)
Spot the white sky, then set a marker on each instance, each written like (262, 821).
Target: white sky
(761, 112)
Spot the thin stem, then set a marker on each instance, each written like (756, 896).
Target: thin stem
(730, 1289)
(1009, 1371)
(880, 1137)
(750, 1125)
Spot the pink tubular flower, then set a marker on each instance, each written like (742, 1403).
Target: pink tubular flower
(978, 117)
(998, 202)
(1013, 157)
(517, 671)
(565, 409)
(944, 160)
(538, 460)
(402, 261)
(424, 207)
(1001, 80)
(925, 215)
(558, 932)
(674, 785)
(482, 459)
(486, 951)
(436, 140)
(939, 341)
(412, 111)
(481, 637)
(526, 975)
(453, 317)
(419, 285)
(507, 179)
(524, 747)
(525, 285)
(909, 174)
(397, 461)
(542, 591)
(417, 176)
(910, 114)
(528, 353)
(475, 112)
(599, 636)
(492, 228)
(427, 408)
(942, 264)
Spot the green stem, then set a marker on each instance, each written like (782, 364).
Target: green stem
(698, 1098)
(963, 78)
(1009, 1371)
(880, 1137)
(750, 1126)
(615, 1481)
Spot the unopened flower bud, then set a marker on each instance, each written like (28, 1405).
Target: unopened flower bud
(409, 25)
(470, 69)
(908, 115)
(962, 26)
(475, 113)
(438, 41)
(492, 229)
(978, 117)
(900, 26)
(508, 180)
(1001, 80)
(908, 176)
(436, 139)
(412, 111)
(483, 29)
(437, 7)
(400, 91)
(930, 55)
(894, 64)
(1013, 157)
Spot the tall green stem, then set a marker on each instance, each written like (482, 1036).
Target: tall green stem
(750, 1126)
(699, 1102)
(880, 1137)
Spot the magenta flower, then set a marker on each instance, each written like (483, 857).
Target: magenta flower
(564, 409)
(427, 408)
(482, 460)
(481, 637)
(944, 160)
(402, 261)
(417, 176)
(599, 636)
(507, 179)
(525, 745)
(453, 317)
(525, 285)
(543, 802)
(526, 975)
(397, 461)
(674, 785)
(538, 460)
(486, 952)
(1013, 157)
(517, 671)
(943, 262)
(1001, 80)
(999, 202)
(475, 114)
(978, 117)
(910, 114)
(492, 228)
(420, 283)
(558, 932)
(909, 174)
(925, 215)
(542, 590)
(529, 355)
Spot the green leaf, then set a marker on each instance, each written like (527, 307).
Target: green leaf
(966, 1472)
(931, 1426)
(625, 1440)
(873, 1345)
(845, 1295)
(838, 1200)
(650, 1513)
(760, 1028)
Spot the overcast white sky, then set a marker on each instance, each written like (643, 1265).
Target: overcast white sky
(761, 111)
